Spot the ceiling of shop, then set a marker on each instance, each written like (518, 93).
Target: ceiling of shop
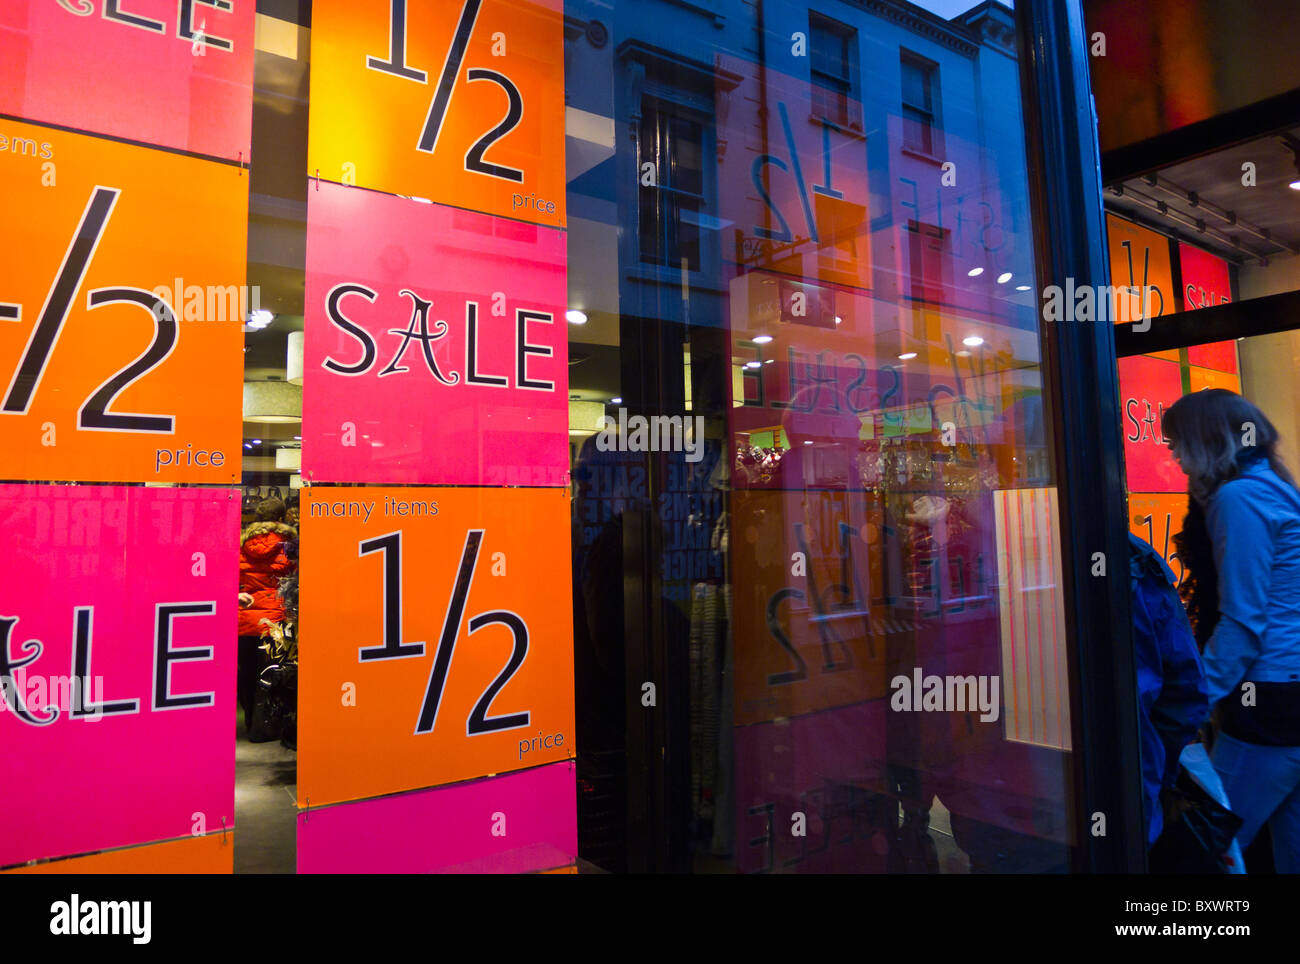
(1269, 207)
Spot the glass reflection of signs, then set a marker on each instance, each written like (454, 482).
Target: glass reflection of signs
(825, 221)
(84, 696)
(390, 548)
(803, 617)
(790, 179)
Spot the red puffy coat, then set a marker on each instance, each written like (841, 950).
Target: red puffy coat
(262, 564)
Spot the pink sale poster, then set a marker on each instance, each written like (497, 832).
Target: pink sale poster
(117, 666)
(436, 349)
(515, 823)
(82, 64)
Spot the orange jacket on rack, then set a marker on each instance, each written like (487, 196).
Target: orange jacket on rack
(262, 564)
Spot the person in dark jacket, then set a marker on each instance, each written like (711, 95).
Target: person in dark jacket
(262, 564)
(1172, 692)
(1241, 544)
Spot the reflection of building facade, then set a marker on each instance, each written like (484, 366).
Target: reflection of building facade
(825, 247)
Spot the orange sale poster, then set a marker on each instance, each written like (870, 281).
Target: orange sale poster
(121, 312)
(458, 102)
(441, 631)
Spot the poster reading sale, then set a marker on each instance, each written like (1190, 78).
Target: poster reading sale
(121, 312)
(457, 101)
(442, 637)
(197, 56)
(436, 349)
(117, 622)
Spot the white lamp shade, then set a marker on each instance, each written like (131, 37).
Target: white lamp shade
(272, 402)
(290, 459)
(293, 362)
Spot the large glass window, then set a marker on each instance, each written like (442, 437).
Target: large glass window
(819, 622)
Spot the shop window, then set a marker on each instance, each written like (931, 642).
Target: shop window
(920, 104)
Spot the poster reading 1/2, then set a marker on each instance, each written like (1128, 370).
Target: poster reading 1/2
(457, 101)
(440, 649)
(121, 311)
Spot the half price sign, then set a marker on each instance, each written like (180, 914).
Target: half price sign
(458, 102)
(121, 352)
(441, 640)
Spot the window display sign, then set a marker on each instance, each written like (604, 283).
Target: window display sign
(461, 102)
(441, 634)
(197, 54)
(436, 347)
(121, 311)
(1139, 260)
(1147, 387)
(117, 627)
(510, 824)
(1207, 282)
(1156, 518)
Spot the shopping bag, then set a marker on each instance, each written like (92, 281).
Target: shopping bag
(1198, 832)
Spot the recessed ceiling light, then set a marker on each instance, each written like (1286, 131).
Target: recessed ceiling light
(752, 364)
(575, 316)
(260, 318)
(963, 353)
(616, 400)
(1004, 277)
(839, 320)
(1022, 287)
(762, 339)
(905, 356)
(975, 272)
(807, 441)
(972, 341)
(771, 360)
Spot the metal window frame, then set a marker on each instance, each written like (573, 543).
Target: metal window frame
(1065, 167)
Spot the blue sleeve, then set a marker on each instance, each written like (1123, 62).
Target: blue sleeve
(1243, 556)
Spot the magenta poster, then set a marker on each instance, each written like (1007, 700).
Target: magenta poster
(117, 666)
(1147, 387)
(514, 823)
(80, 64)
(436, 349)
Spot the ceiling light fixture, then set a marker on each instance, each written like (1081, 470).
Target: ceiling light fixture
(974, 272)
(972, 341)
(575, 316)
(907, 356)
(762, 339)
(1004, 277)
